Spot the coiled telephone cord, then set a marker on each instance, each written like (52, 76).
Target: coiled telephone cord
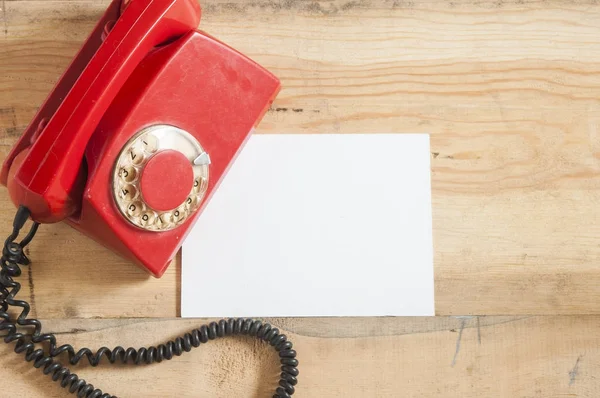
(25, 343)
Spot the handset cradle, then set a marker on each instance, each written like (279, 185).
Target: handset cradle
(45, 176)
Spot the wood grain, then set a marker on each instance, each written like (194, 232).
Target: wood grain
(466, 357)
(508, 91)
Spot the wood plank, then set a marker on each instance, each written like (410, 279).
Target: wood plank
(512, 357)
(508, 90)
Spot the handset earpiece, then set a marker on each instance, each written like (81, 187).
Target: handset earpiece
(44, 175)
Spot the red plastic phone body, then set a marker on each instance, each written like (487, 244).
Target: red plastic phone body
(193, 82)
(46, 179)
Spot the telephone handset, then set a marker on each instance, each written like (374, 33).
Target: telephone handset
(128, 149)
(139, 131)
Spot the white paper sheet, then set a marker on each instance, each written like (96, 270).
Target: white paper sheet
(316, 225)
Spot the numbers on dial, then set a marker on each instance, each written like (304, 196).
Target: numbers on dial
(200, 186)
(127, 174)
(147, 218)
(180, 214)
(129, 168)
(136, 155)
(135, 208)
(149, 143)
(163, 220)
(192, 202)
(128, 192)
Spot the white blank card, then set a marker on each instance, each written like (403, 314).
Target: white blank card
(316, 225)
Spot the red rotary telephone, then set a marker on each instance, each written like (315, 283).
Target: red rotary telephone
(128, 149)
(139, 131)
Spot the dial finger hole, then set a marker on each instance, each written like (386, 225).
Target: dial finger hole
(198, 184)
(147, 218)
(180, 214)
(195, 202)
(127, 174)
(189, 202)
(163, 221)
(149, 143)
(134, 209)
(128, 193)
(135, 155)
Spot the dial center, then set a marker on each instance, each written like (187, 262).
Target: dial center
(166, 180)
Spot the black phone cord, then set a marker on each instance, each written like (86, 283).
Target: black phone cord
(25, 343)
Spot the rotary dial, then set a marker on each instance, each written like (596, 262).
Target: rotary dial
(160, 178)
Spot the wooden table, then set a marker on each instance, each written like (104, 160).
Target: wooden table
(508, 90)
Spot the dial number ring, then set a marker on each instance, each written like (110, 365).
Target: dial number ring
(129, 167)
